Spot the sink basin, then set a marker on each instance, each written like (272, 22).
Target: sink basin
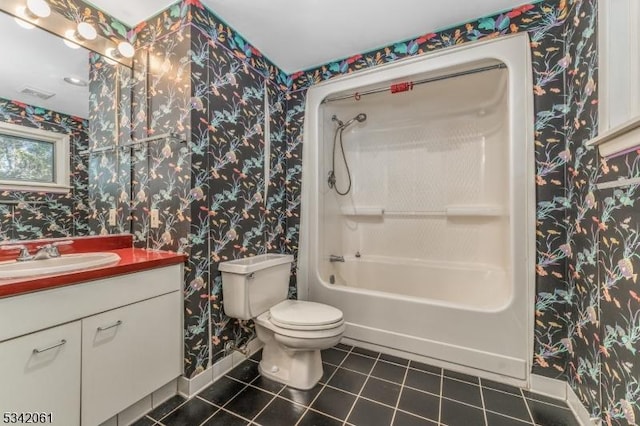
(64, 263)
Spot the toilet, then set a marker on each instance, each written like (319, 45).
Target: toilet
(293, 331)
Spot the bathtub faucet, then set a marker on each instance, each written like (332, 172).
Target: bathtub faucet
(335, 258)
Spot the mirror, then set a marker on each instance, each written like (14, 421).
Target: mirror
(55, 87)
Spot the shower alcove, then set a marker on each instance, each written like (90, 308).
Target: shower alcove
(437, 230)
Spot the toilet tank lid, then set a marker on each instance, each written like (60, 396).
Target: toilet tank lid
(303, 313)
(254, 263)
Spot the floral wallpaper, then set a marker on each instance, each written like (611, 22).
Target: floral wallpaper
(109, 167)
(581, 249)
(195, 75)
(227, 95)
(208, 186)
(79, 11)
(30, 215)
(617, 342)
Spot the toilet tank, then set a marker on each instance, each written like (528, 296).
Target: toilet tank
(252, 285)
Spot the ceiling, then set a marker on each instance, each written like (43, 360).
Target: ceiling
(40, 60)
(298, 35)
(309, 33)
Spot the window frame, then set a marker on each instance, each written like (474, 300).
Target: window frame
(62, 160)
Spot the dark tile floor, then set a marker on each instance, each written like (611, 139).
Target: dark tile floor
(362, 387)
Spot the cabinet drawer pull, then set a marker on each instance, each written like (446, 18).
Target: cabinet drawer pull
(39, 351)
(117, 323)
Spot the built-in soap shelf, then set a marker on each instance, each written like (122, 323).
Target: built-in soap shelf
(618, 140)
(461, 210)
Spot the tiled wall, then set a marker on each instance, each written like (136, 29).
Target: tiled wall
(40, 215)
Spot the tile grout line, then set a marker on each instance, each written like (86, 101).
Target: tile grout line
(396, 383)
(395, 409)
(377, 361)
(524, 422)
(221, 407)
(210, 403)
(484, 408)
(275, 395)
(526, 403)
(324, 385)
(440, 396)
(361, 389)
(171, 412)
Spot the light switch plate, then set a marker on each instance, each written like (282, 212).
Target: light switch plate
(112, 217)
(155, 219)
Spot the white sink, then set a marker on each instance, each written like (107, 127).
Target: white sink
(64, 263)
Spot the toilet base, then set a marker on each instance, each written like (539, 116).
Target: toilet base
(294, 362)
(300, 369)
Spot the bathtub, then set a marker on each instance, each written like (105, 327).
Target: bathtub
(459, 286)
(438, 231)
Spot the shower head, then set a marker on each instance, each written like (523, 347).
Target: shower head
(359, 118)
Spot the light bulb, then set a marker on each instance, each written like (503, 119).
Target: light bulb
(70, 34)
(39, 8)
(126, 49)
(24, 24)
(85, 31)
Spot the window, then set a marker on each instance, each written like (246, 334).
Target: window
(33, 159)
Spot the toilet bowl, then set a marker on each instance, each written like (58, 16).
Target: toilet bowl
(293, 331)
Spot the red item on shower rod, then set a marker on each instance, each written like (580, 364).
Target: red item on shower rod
(401, 87)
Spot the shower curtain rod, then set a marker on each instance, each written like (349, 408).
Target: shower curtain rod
(403, 87)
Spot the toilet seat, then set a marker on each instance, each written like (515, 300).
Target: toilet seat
(305, 316)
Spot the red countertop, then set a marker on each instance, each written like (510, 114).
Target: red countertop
(131, 260)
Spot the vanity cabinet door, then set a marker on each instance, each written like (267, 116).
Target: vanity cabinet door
(40, 374)
(129, 352)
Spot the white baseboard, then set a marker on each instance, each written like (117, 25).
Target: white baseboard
(131, 414)
(562, 390)
(554, 388)
(190, 387)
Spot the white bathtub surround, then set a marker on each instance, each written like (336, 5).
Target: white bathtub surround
(189, 387)
(438, 232)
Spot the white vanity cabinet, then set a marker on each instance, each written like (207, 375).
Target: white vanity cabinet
(39, 375)
(101, 346)
(127, 353)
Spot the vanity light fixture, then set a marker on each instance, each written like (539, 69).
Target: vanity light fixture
(24, 24)
(37, 9)
(69, 35)
(76, 81)
(123, 50)
(34, 10)
(85, 31)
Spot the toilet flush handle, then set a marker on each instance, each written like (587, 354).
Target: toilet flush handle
(251, 276)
